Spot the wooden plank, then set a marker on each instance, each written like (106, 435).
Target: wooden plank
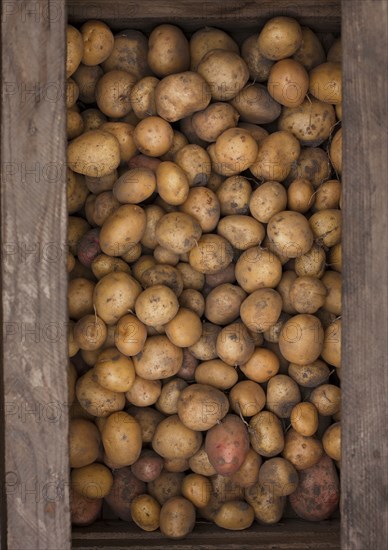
(191, 14)
(33, 272)
(365, 293)
(288, 535)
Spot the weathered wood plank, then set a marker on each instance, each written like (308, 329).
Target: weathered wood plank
(365, 300)
(191, 14)
(288, 535)
(33, 272)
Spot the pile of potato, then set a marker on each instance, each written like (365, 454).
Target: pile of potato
(204, 275)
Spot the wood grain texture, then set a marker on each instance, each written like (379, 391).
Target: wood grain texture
(288, 535)
(365, 293)
(192, 14)
(33, 272)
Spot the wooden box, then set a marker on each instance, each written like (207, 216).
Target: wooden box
(34, 449)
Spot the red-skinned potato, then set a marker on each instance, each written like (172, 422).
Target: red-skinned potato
(125, 488)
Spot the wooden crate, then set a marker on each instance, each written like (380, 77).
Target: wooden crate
(34, 458)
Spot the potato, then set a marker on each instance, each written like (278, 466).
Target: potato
(195, 162)
(327, 226)
(234, 344)
(273, 333)
(172, 183)
(122, 229)
(72, 93)
(84, 442)
(227, 445)
(268, 199)
(124, 135)
(103, 265)
(114, 371)
(235, 515)
(72, 344)
(311, 264)
(130, 335)
(258, 268)
(300, 195)
(167, 402)
(86, 79)
(311, 52)
(203, 205)
(115, 295)
(156, 305)
(331, 441)
(261, 309)
(235, 150)
(209, 38)
(125, 488)
(148, 466)
(98, 185)
(288, 82)
(104, 206)
(227, 275)
(145, 512)
(159, 359)
(129, 54)
(336, 152)
(142, 97)
(326, 82)
(280, 37)
(168, 50)
(178, 232)
(331, 351)
(192, 279)
(80, 298)
(205, 348)
(335, 52)
(166, 486)
(75, 124)
(179, 142)
(277, 152)
(200, 406)
(214, 120)
(186, 127)
(223, 303)
(94, 153)
(113, 93)
(301, 339)
(147, 417)
(327, 399)
(98, 42)
(234, 195)
(93, 481)
(90, 332)
(216, 373)
(311, 375)
(153, 136)
(317, 495)
(177, 518)
(313, 164)
(211, 254)
(304, 419)
(153, 214)
(302, 451)
(95, 399)
(121, 437)
(290, 233)
(185, 329)
(74, 50)
(173, 439)
(199, 463)
(164, 256)
(311, 122)
(280, 475)
(262, 365)
(241, 231)
(258, 65)
(282, 395)
(267, 507)
(225, 72)
(328, 195)
(197, 489)
(163, 275)
(193, 300)
(333, 283)
(84, 511)
(255, 105)
(247, 398)
(308, 294)
(178, 96)
(248, 474)
(266, 434)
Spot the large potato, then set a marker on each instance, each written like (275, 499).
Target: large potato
(84, 442)
(177, 518)
(93, 481)
(209, 38)
(159, 359)
(255, 105)
(227, 445)
(200, 407)
(173, 439)
(327, 226)
(121, 437)
(168, 51)
(178, 232)
(261, 309)
(211, 122)
(153, 136)
(234, 194)
(268, 199)
(241, 231)
(276, 155)
(156, 305)
(197, 489)
(185, 329)
(114, 371)
(308, 294)
(95, 399)
(311, 375)
(113, 93)
(288, 82)
(161, 274)
(129, 54)
(172, 183)
(235, 344)
(301, 339)
(145, 512)
(313, 164)
(326, 82)
(74, 50)
(290, 234)
(122, 229)
(90, 332)
(235, 515)
(225, 72)
(115, 295)
(98, 42)
(247, 398)
(280, 37)
(216, 373)
(94, 153)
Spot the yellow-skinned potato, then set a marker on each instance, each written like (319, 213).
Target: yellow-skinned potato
(280, 475)
(199, 463)
(141, 265)
(105, 204)
(215, 119)
(168, 51)
(209, 38)
(308, 294)
(311, 52)
(195, 162)
(167, 402)
(145, 512)
(115, 295)
(331, 441)
(261, 309)
(74, 50)
(113, 93)
(235, 150)
(164, 256)
(180, 95)
(258, 65)
(185, 329)
(300, 195)
(95, 399)
(84, 442)
(122, 229)
(288, 82)
(327, 226)
(326, 82)
(311, 375)
(235, 515)
(75, 124)
(302, 451)
(173, 439)
(280, 37)
(121, 437)
(235, 344)
(123, 132)
(143, 97)
(94, 153)
(304, 419)
(327, 399)
(177, 518)
(98, 42)
(129, 54)
(159, 359)
(225, 72)
(114, 371)
(197, 488)
(313, 164)
(179, 142)
(247, 398)
(277, 152)
(163, 275)
(72, 93)
(90, 332)
(311, 122)
(203, 205)
(80, 298)
(336, 151)
(77, 191)
(311, 264)
(335, 257)
(282, 395)
(103, 265)
(258, 268)
(166, 486)
(93, 481)
(200, 407)
(156, 305)
(266, 434)
(328, 195)
(192, 299)
(333, 283)
(86, 79)
(135, 186)
(192, 279)
(216, 373)
(301, 339)
(211, 254)
(290, 234)
(98, 185)
(262, 365)
(153, 136)
(256, 131)
(72, 380)
(153, 214)
(144, 393)
(248, 474)
(268, 199)
(267, 507)
(72, 345)
(223, 303)
(130, 335)
(255, 105)
(172, 183)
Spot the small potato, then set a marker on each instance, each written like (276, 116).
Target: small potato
(235, 515)
(267, 507)
(130, 335)
(241, 231)
(288, 82)
(74, 50)
(223, 303)
(173, 439)
(115, 295)
(153, 136)
(227, 275)
(308, 294)
(98, 185)
(300, 195)
(98, 42)
(129, 54)
(193, 300)
(227, 445)
(121, 437)
(331, 351)
(304, 419)
(94, 153)
(276, 155)
(209, 38)
(113, 93)
(186, 127)
(185, 329)
(215, 119)
(104, 205)
(72, 345)
(255, 105)
(279, 474)
(247, 398)
(93, 481)
(178, 96)
(167, 402)
(147, 417)
(205, 348)
(261, 309)
(153, 214)
(156, 305)
(211, 254)
(225, 72)
(122, 229)
(235, 344)
(235, 151)
(311, 52)
(86, 78)
(258, 65)
(280, 37)
(328, 195)
(145, 512)
(248, 474)
(177, 518)
(80, 298)
(331, 441)
(125, 488)
(262, 365)
(258, 268)
(327, 226)
(333, 300)
(179, 142)
(103, 265)
(225, 489)
(164, 256)
(302, 451)
(200, 407)
(159, 359)
(90, 332)
(75, 124)
(273, 333)
(311, 122)
(327, 399)
(192, 279)
(282, 395)
(301, 339)
(148, 466)
(84, 442)
(172, 183)
(168, 51)
(199, 463)
(311, 264)
(216, 373)
(334, 55)
(234, 195)
(84, 511)
(266, 434)
(124, 135)
(268, 199)
(166, 486)
(197, 489)
(203, 205)
(163, 275)
(143, 97)
(313, 164)
(311, 375)
(72, 93)
(290, 233)
(144, 393)
(335, 257)
(195, 162)
(336, 152)
(114, 371)
(326, 82)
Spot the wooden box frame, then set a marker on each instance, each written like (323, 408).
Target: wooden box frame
(34, 458)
